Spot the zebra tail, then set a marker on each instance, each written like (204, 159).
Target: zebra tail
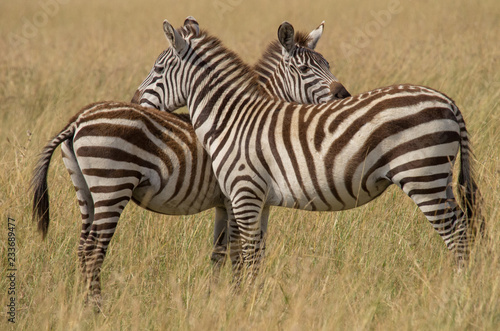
(39, 181)
(469, 194)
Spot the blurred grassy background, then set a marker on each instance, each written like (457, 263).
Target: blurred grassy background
(377, 267)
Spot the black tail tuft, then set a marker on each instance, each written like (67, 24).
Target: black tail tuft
(469, 194)
(41, 195)
(39, 181)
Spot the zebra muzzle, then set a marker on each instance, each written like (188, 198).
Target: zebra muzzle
(338, 91)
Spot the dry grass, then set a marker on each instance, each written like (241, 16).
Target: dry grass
(377, 267)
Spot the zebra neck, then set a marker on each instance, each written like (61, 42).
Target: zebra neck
(218, 111)
(276, 89)
(221, 83)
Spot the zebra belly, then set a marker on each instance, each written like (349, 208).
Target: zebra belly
(326, 200)
(161, 202)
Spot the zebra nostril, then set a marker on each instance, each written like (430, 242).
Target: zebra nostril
(339, 91)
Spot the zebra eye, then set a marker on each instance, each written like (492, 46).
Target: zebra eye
(158, 69)
(303, 69)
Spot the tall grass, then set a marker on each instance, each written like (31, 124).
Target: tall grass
(380, 266)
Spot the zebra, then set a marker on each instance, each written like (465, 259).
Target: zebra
(116, 152)
(329, 157)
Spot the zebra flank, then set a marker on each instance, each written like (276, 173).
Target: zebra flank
(117, 152)
(334, 156)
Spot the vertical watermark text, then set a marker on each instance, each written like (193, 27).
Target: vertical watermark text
(11, 270)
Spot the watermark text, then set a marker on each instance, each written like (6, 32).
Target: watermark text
(11, 270)
(364, 35)
(30, 26)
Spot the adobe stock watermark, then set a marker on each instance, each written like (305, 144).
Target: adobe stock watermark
(30, 26)
(11, 270)
(225, 6)
(363, 36)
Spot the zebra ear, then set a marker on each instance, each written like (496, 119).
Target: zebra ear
(286, 36)
(173, 37)
(313, 37)
(191, 21)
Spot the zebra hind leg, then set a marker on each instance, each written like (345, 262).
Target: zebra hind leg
(436, 200)
(110, 198)
(84, 197)
(95, 248)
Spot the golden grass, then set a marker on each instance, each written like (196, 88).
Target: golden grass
(379, 267)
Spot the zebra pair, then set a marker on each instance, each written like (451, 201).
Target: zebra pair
(116, 152)
(334, 156)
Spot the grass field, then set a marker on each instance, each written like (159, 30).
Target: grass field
(378, 267)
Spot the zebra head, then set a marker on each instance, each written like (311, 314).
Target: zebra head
(277, 79)
(303, 73)
(163, 87)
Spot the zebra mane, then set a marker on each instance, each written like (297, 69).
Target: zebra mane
(231, 57)
(265, 66)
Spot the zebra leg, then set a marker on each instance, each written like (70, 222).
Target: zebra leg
(220, 238)
(95, 248)
(234, 235)
(245, 236)
(264, 218)
(110, 198)
(84, 197)
(436, 200)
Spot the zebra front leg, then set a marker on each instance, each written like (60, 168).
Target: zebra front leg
(220, 238)
(234, 235)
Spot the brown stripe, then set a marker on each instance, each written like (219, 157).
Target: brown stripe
(116, 154)
(431, 161)
(439, 212)
(111, 202)
(112, 189)
(104, 215)
(427, 191)
(431, 202)
(112, 173)
(422, 179)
